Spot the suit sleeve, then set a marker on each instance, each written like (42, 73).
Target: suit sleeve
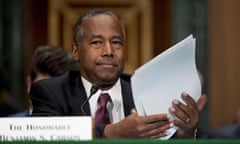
(43, 101)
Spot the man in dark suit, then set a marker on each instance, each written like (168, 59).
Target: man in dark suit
(47, 61)
(99, 41)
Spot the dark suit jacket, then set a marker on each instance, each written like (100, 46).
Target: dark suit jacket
(64, 95)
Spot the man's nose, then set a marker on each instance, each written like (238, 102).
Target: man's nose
(107, 49)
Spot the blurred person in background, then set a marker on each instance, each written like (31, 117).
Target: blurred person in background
(7, 104)
(47, 61)
(230, 131)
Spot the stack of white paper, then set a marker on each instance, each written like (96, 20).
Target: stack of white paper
(164, 78)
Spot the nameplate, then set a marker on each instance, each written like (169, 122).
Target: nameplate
(46, 128)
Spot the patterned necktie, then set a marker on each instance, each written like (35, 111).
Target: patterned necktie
(102, 115)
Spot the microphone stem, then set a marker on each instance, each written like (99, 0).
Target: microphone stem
(93, 90)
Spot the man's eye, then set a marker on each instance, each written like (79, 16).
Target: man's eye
(117, 42)
(96, 42)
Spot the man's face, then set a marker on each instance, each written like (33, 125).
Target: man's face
(100, 50)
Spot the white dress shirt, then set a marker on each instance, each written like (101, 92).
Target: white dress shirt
(115, 107)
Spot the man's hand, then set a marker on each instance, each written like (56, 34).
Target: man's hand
(135, 126)
(202, 102)
(187, 116)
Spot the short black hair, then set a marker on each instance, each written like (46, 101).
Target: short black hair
(51, 60)
(77, 31)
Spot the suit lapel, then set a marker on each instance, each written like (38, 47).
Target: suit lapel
(78, 95)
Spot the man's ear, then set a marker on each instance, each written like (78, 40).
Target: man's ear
(75, 52)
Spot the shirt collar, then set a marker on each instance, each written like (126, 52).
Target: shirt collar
(116, 89)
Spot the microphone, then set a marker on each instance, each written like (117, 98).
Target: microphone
(93, 90)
